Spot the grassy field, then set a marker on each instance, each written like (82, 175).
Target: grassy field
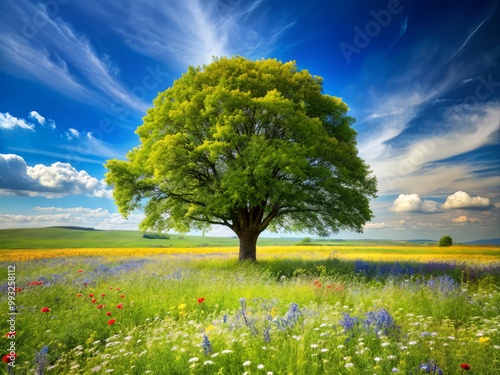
(299, 310)
(63, 238)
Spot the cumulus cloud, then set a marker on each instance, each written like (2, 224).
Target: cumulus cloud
(463, 200)
(413, 203)
(7, 121)
(42, 121)
(465, 219)
(460, 219)
(56, 180)
(72, 134)
(37, 117)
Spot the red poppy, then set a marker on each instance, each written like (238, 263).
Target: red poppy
(108, 313)
(91, 295)
(85, 284)
(465, 366)
(7, 358)
(119, 306)
(45, 309)
(122, 296)
(117, 288)
(103, 295)
(10, 334)
(80, 271)
(94, 300)
(200, 300)
(100, 306)
(111, 322)
(110, 288)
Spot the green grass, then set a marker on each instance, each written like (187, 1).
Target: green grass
(161, 326)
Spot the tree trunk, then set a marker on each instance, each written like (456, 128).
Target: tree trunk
(248, 246)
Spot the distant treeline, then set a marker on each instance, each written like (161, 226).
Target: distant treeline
(156, 236)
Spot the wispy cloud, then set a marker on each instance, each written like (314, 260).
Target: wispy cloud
(59, 57)
(402, 31)
(419, 166)
(468, 38)
(190, 32)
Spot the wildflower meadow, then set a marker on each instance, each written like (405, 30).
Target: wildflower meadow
(296, 312)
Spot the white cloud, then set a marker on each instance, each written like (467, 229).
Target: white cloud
(463, 200)
(42, 121)
(465, 219)
(417, 166)
(413, 203)
(190, 32)
(460, 219)
(38, 117)
(375, 225)
(88, 144)
(7, 121)
(72, 134)
(56, 180)
(98, 218)
(98, 212)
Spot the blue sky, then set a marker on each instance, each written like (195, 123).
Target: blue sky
(421, 77)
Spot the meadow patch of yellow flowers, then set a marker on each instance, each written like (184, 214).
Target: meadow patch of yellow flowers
(424, 254)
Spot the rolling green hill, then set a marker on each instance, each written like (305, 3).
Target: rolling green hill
(75, 237)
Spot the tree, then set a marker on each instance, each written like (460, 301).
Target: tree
(250, 145)
(445, 241)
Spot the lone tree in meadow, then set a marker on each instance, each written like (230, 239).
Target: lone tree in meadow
(251, 145)
(445, 241)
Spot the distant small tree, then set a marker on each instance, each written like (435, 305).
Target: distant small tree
(445, 241)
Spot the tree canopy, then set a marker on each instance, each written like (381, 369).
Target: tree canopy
(251, 145)
(445, 241)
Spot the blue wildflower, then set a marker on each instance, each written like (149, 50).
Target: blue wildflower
(347, 322)
(379, 321)
(430, 368)
(206, 345)
(267, 336)
(293, 314)
(41, 359)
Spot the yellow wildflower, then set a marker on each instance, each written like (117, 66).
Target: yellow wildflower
(484, 340)
(274, 311)
(210, 328)
(182, 306)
